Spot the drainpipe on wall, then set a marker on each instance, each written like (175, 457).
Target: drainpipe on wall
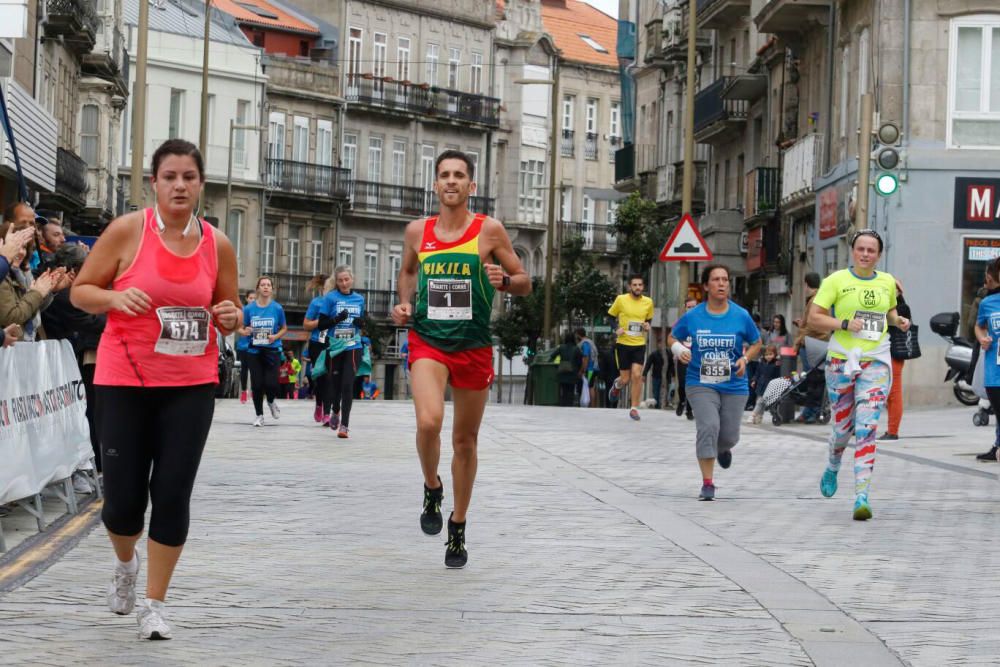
(831, 36)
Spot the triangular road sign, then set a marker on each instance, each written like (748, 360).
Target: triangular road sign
(686, 244)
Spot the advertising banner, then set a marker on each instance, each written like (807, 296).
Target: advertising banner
(43, 423)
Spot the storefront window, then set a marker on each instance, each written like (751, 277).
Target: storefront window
(977, 252)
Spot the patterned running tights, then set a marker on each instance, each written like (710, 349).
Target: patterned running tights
(856, 403)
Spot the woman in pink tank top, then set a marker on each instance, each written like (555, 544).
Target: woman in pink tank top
(168, 283)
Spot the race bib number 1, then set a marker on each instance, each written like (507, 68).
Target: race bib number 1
(449, 299)
(183, 331)
(715, 371)
(872, 325)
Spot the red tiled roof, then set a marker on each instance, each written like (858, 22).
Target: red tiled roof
(567, 20)
(284, 20)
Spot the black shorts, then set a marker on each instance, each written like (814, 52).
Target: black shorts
(627, 356)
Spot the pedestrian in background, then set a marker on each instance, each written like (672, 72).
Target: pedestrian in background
(778, 335)
(987, 330)
(683, 407)
(766, 370)
(654, 362)
(568, 371)
(588, 368)
(895, 402)
(242, 345)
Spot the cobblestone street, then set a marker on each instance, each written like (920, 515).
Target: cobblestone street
(587, 546)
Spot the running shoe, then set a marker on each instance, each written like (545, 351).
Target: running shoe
(121, 592)
(680, 408)
(275, 412)
(633, 414)
(614, 391)
(889, 436)
(342, 431)
(152, 624)
(318, 414)
(326, 420)
(725, 458)
(430, 517)
(243, 396)
(989, 456)
(455, 555)
(862, 510)
(334, 421)
(259, 421)
(707, 492)
(81, 485)
(828, 485)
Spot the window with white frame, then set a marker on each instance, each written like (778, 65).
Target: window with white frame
(380, 46)
(591, 116)
(354, 45)
(530, 190)
(294, 249)
(375, 159)
(567, 114)
(267, 250)
(371, 265)
(300, 139)
(395, 262)
(474, 156)
(454, 58)
(398, 162)
(234, 230)
(588, 222)
(974, 82)
(863, 41)
(567, 203)
(431, 64)
(845, 78)
(427, 158)
(275, 146)
(403, 58)
(324, 142)
(240, 136)
(476, 74)
(316, 251)
(90, 118)
(614, 127)
(350, 153)
(174, 129)
(345, 254)
(609, 221)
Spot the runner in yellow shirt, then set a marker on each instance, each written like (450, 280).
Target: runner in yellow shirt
(634, 312)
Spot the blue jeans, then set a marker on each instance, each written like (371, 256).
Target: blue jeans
(657, 385)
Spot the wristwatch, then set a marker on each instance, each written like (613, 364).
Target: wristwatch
(843, 324)
(505, 283)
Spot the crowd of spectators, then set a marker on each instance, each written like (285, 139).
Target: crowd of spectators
(37, 267)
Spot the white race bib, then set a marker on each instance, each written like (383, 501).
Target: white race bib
(449, 299)
(635, 329)
(343, 334)
(322, 337)
(872, 324)
(716, 370)
(261, 335)
(183, 331)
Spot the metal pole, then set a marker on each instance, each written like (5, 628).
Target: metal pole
(229, 171)
(203, 135)
(688, 177)
(550, 231)
(864, 162)
(139, 106)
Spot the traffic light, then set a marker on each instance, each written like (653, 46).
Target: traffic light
(888, 158)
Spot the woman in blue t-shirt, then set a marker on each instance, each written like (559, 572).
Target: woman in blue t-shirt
(242, 345)
(988, 333)
(716, 381)
(342, 316)
(264, 323)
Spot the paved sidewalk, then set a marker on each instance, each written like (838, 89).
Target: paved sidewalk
(587, 546)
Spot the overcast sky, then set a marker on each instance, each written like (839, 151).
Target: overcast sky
(609, 7)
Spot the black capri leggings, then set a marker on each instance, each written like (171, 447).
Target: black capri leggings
(244, 368)
(340, 374)
(319, 385)
(151, 440)
(263, 377)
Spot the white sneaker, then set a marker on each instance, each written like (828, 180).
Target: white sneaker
(275, 412)
(152, 624)
(259, 421)
(81, 485)
(121, 592)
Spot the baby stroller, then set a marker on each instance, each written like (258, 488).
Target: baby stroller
(796, 386)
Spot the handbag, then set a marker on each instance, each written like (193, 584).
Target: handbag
(904, 345)
(585, 393)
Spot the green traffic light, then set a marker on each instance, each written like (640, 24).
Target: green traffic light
(886, 184)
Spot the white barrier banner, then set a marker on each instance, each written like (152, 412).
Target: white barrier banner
(43, 422)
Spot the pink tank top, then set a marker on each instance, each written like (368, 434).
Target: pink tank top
(173, 344)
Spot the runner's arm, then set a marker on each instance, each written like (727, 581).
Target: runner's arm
(91, 289)
(503, 253)
(983, 336)
(820, 318)
(226, 310)
(406, 284)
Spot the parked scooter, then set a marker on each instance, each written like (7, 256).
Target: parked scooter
(958, 356)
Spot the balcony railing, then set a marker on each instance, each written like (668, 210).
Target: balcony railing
(721, 13)
(407, 97)
(379, 302)
(568, 144)
(625, 163)
(71, 175)
(75, 20)
(760, 194)
(615, 143)
(110, 194)
(291, 289)
(590, 146)
(404, 200)
(700, 180)
(308, 179)
(596, 238)
(801, 166)
(711, 108)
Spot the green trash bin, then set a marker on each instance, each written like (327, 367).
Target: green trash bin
(544, 378)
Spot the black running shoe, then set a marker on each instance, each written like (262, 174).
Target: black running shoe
(988, 456)
(455, 555)
(725, 458)
(430, 518)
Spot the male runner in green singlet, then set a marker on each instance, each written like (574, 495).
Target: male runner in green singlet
(453, 263)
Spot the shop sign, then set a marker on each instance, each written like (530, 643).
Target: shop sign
(755, 249)
(981, 250)
(835, 209)
(976, 203)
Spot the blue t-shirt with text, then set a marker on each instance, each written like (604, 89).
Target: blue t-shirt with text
(312, 313)
(336, 302)
(989, 319)
(264, 321)
(716, 344)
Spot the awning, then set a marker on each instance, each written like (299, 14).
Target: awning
(605, 194)
(745, 87)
